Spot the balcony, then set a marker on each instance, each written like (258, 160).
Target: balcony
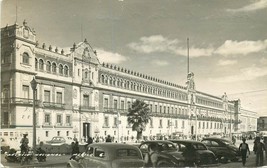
(19, 101)
(87, 108)
(115, 111)
(53, 105)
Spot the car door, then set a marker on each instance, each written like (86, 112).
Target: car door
(101, 158)
(217, 148)
(89, 158)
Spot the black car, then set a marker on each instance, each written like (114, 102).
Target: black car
(224, 149)
(168, 156)
(196, 152)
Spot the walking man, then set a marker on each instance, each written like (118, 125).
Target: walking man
(244, 149)
(258, 150)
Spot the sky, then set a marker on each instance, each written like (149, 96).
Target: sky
(227, 39)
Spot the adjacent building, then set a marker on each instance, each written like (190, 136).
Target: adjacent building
(78, 96)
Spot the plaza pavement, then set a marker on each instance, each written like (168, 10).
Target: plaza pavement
(51, 161)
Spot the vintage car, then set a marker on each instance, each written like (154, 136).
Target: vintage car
(168, 155)
(197, 153)
(57, 140)
(109, 155)
(223, 149)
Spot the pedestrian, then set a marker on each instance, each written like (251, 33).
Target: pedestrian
(233, 139)
(265, 144)
(151, 157)
(258, 150)
(108, 139)
(24, 144)
(244, 149)
(89, 140)
(75, 149)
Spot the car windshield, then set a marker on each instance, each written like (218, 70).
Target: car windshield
(199, 146)
(227, 142)
(127, 153)
(165, 146)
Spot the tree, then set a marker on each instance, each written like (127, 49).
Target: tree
(138, 116)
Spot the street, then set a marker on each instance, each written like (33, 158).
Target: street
(61, 160)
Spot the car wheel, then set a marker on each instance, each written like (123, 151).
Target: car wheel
(223, 159)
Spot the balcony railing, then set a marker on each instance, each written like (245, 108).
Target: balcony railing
(53, 105)
(115, 110)
(87, 108)
(18, 100)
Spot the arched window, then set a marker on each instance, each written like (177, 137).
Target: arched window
(85, 74)
(60, 69)
(66, 70)
(36, 63)
(54, 67)
(41, 64)
(25, 58)
(48, 66)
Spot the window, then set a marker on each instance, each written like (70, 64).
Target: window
(36, 63)
(106, 103)
(115, 124)
(68, 120)
(129, 104)
(59, 97)
(41, 64)
(85, 74)
(176, 124)
(106, 121)
(54, 67)
(78, 72)
(46, 134)
(66, 70)
(25, 91)
(86, 100)
(47, 118)
(48, 66)
(67, 133)
(122, 104)
(116, 104)
(47, 96)
(160, 109)
(127, 152)
(58, 133)
(156, 108)
(182, 124)
(6, 59)
(151, 123)
(25, 58)
(99, 153)
(60, 69)
(160, 123)
(59, 119)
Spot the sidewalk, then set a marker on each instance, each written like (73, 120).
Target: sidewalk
(51, 161)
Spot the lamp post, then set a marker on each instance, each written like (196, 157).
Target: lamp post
(34, 85)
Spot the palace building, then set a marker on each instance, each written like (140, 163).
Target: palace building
(77, 96)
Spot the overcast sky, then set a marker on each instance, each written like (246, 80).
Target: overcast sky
(227, 39)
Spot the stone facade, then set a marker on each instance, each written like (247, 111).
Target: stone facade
(77, 96)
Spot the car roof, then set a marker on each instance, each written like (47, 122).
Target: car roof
(214, 138)
(186, 141)
(112, 145)
(157, 141)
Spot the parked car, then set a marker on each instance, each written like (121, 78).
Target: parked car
(57, 140)
(196, 152)
(168, 155)
(224, 149)
(109, 155)
(4, 146)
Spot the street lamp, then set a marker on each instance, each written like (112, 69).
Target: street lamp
(34, 85)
